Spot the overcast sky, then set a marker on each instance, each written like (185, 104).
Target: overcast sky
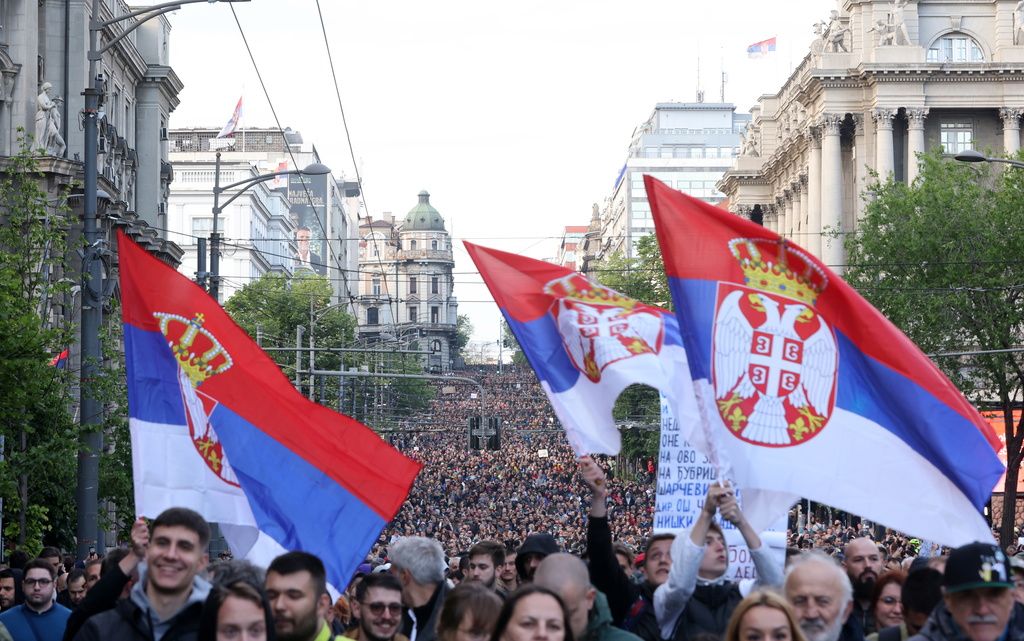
(516, 117)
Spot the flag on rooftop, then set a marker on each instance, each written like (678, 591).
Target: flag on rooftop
(232, 125)
(761, 49)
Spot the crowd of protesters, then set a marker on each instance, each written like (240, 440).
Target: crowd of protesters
(526, 543)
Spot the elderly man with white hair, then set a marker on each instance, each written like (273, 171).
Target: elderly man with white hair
(822, 597)
(419, 564)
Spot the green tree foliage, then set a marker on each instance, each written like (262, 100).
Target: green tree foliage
(641, 277)
(463, 333)
(37, 476)
(116, 490)
(277, 305)
(942, 260)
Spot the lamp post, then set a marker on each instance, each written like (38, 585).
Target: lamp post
(93, 290)
(315, 169)
(970, 155)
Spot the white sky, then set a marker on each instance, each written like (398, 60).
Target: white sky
(516, 117)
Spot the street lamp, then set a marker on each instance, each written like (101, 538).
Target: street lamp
(91, 439)
(970, 155)
(315, 169)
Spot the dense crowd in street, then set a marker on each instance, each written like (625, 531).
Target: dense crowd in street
(526, 543)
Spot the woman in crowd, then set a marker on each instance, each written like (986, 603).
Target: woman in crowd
(763, 616)
(533, 613)
(469, 614)
(887, 603)
(237, 611)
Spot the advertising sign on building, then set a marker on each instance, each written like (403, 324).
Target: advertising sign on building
(308, 195)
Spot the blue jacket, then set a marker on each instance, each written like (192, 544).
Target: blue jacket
(24, 623)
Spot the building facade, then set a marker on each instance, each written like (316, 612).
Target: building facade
(882, 82)
(688, 146)
(570, 246)
(288, 224)
(406, 286)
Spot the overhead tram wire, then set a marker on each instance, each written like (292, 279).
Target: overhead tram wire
(287, 147)
(355, 167)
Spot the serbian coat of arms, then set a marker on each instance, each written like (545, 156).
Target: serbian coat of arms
(774, 358)
(199, 356)
(600, 326)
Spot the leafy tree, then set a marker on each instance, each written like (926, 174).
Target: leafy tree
(463, 333)
(273, 306)
(37, 475)
(641, 277)
(941, 259)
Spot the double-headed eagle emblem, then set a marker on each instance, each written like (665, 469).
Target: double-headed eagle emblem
(774, 357)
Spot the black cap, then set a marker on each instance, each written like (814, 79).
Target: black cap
(976, 565)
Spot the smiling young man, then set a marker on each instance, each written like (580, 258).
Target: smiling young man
(378, 608)
(39, 617)
(167, 601)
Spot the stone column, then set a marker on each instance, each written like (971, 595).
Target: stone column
(1011, 129)
(861, 163)
(832, 253)
(795, 221)
(813, 239)
(884, 162)
(768, 211)
(915, 140)
(780, 215)
(803, 228)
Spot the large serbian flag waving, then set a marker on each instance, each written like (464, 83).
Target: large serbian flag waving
(813, 391)
(218, 428)
(586, 344)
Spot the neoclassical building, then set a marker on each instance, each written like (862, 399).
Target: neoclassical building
(406, 287)
(883, 81)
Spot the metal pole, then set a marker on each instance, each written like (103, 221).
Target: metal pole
(215, 235)
(312, 351)
(298, 356)
(91, 438)
(201, 275)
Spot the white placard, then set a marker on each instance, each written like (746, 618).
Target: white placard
(684, 475)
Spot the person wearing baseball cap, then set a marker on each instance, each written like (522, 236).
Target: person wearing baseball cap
(977, 602)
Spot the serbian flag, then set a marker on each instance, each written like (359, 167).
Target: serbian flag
(232, 124)
(60, 361)
(218, 428)
(586, 343)
(813, 392)
(761, 49)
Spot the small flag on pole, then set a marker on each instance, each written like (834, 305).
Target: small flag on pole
(232, 125)
(761, 49)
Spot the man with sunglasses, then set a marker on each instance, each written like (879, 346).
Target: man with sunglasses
(39, 618)
(378, 608)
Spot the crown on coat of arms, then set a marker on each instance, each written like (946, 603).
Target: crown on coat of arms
(197, 351)
(779, 268)
(577, 288)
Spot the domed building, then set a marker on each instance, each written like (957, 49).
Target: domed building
(406, 287)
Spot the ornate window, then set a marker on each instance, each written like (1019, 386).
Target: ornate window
(955, 47)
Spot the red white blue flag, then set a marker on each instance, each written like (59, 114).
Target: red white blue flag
(218, 428)
(761, 49)
(60, 361)
(232, 125)
(586, 343)
(813, 391)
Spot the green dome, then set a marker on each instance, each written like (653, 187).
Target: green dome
(423, 217)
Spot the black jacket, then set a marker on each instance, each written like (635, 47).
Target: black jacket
(101, 597)
(631, 605)
(427, 616)
(128, 622)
